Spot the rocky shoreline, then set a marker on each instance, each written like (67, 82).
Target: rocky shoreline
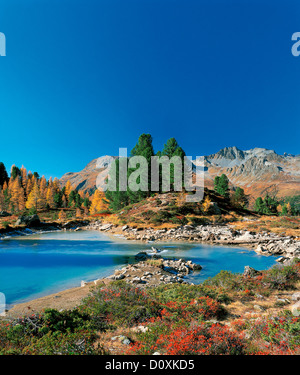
(25, 229)
(264, 243)
(151, 269)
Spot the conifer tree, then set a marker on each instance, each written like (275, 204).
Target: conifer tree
(72, 199)
(15, 172)
(63, 201)
(284, 210)
(62, 215)
(3, 174)
(98, 202)
(30, 183)
(56, 184)
(86, 203)
(24, 178)
(78, 213)
(17, 200)
(221, 185)
(50, 196)
(172, 148)
(34, 198)
(239, 198)
(259, 205)
(6, 196)
(68, 189)
(2, 200)
(206, 205)
(57, 197)
(42, 183)
(142, 148)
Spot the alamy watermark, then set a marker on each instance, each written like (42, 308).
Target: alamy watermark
(163, 174)
(296, 46)
(2, 304)
(2, 44)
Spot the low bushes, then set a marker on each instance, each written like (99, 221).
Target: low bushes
(282, 277)
(180, 319)
(52, 332)
(121, 304)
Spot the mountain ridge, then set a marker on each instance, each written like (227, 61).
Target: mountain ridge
(257, 170)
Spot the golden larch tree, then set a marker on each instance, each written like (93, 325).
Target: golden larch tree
(206, 204)
(68, 189)
(56, 184)
(50, 196)
(64, 201)
(17, 198)
(289, 208)
(34, 198)
(2, 200)
(24, 177)
(43, 191)
(30, 183)
(98, 203)
(62, 215)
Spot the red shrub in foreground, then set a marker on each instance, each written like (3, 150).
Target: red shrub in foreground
(200, 340)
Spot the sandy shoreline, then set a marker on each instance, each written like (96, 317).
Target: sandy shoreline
(66, 299)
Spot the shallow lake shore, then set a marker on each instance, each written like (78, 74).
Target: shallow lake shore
(70, 298)
(263, 243)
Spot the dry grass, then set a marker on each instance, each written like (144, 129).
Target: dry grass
(155, 262)
(285, 226)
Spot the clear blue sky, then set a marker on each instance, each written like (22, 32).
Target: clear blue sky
(84, 77)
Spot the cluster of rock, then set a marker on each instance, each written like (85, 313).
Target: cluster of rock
(181, 266)
(287, 247)
(265, 243)
(147, 274)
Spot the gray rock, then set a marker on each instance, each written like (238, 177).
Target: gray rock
(259, 296)
(295, 296)
(140, 329)
(120, 277)
(142, 256)
(283, 300)
(249, 271)
(280, 259)
(120, 338)
(260, 249)
(295, 309)
(28, 220)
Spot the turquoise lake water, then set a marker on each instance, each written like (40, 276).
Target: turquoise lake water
(33, 266)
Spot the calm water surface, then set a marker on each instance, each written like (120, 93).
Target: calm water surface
(34, 266)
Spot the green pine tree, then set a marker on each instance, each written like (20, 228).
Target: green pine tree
(172, 148)
(259, 205)
(239, 198)
(221, 185)
(3, 174)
